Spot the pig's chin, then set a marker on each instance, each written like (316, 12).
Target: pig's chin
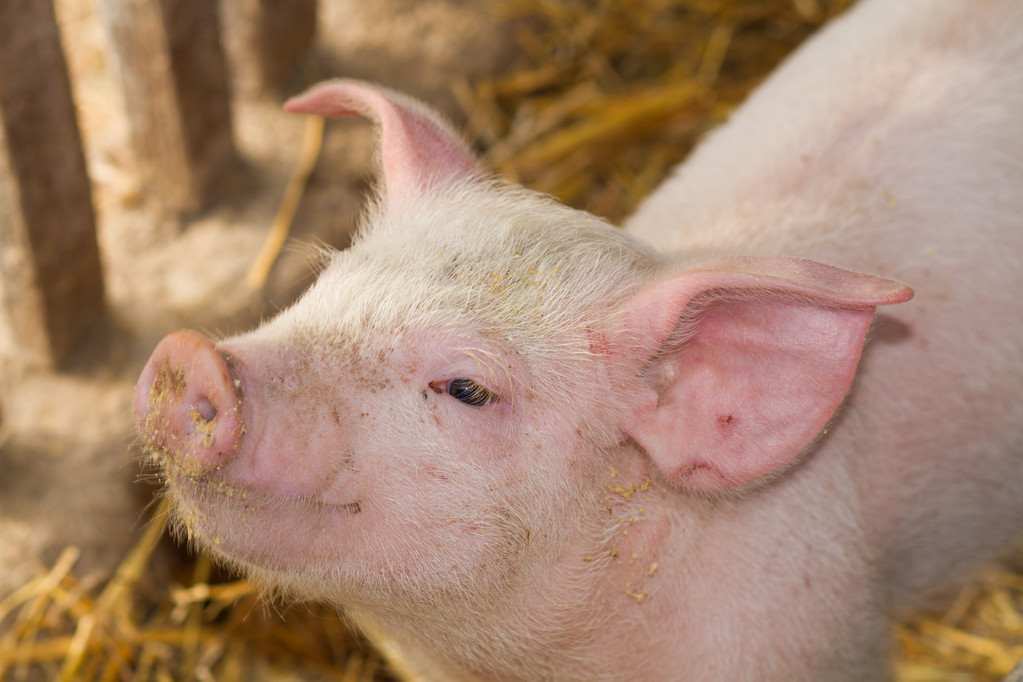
(249, 528)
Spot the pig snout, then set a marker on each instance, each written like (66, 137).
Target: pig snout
(187, 403)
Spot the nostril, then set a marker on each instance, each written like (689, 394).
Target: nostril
(206, 409)
(187, 404)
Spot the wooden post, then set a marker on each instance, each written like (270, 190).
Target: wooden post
(51, 287)
(169, 60)
(265, 40)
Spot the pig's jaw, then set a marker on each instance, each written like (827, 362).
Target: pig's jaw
(309, 548)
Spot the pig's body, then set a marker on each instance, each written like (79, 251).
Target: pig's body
(526, 447)
(894, 145)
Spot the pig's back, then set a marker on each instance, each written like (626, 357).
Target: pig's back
(871, 139)
(893, 144)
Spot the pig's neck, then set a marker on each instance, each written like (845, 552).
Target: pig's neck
(577, 609)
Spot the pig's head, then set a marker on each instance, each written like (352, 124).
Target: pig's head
(438, 421)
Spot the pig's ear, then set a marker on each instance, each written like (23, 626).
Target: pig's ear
(744, 362)
(418, 149)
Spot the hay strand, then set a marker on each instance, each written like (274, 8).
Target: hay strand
(312, 141)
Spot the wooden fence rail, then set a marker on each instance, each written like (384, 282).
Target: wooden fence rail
(176, 79)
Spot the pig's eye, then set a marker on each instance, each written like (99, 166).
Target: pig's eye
(471, 392)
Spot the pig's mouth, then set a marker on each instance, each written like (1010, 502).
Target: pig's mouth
(238, 524)
(180, 480)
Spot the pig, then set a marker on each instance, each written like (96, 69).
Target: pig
(519, 443)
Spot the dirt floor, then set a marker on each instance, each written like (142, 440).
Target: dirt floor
(68, 474)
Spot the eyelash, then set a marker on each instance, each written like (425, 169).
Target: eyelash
(468, 391)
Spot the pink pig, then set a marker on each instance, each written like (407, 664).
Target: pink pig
(523, 444)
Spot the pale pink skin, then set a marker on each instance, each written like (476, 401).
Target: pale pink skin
(661, 488)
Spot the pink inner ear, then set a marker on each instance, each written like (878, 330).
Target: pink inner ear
(418, 148)
(746, 361)
(754, 386)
